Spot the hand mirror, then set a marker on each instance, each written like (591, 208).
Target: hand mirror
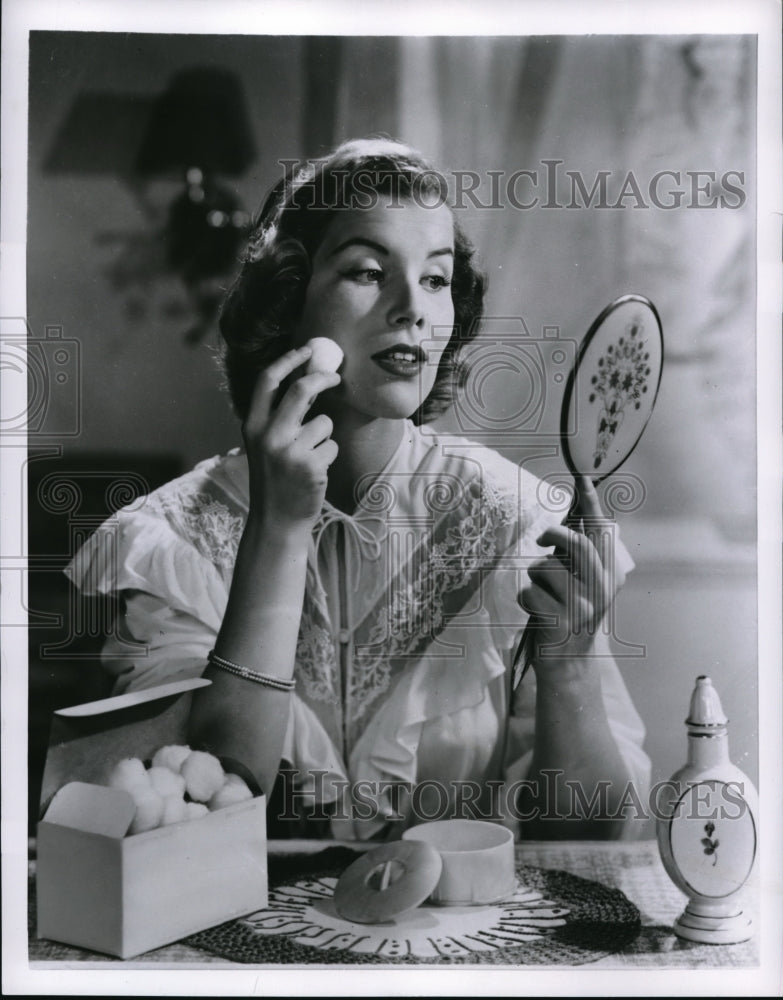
(609, 397)
(612, 387)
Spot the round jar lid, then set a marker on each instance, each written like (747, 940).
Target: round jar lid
(387, 881)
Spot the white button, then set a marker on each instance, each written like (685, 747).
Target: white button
(344, 635)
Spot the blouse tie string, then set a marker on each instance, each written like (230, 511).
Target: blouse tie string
(359, 537)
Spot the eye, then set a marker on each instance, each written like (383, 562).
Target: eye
(365, 275)
(435, 282)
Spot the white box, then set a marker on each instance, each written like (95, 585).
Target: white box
(101, 890)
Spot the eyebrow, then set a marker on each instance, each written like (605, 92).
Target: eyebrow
(381, 249)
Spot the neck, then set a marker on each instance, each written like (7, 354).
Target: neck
(708, 750)
(366, 445)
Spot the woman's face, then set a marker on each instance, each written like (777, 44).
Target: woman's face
(380, 288)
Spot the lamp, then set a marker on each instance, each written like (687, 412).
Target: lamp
(200, 120)
(199, 127)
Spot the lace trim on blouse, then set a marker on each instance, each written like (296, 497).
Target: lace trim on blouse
(205, 521)
(437, 583)
(446, 573)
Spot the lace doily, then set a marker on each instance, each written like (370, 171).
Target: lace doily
(553, 918)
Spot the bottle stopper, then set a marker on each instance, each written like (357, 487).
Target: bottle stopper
(705, 708)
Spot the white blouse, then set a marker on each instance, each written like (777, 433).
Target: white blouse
(409, 622)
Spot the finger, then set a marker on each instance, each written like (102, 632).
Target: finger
(575, 550)
(551, 613)
(552, 577)
(268, 382)
(538, 604)
(587, 504)
(573, 521)
(315, 432)
(579, 551)
(587, 507)
(300, 396)
(316, 470)
(326, 453)
(585, 570)
(573, 597)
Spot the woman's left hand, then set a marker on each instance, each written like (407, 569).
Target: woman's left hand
(571, 589)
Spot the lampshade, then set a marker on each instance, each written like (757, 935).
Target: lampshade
(200, 120)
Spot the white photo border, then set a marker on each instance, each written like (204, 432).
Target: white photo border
(760, 17)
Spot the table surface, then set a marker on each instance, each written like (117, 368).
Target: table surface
(634, 868)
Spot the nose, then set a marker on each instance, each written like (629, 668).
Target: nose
(407, 304)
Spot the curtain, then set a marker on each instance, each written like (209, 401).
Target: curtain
(618, 105)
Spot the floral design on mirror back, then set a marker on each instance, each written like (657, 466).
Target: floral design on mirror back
(618, 384)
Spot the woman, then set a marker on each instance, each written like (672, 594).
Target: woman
(363, 582)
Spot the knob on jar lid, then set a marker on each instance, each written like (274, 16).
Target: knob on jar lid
(386, 882)
(705, 708)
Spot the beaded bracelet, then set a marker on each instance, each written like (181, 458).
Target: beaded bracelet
(250, 675)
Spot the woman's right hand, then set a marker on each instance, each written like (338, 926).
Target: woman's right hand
(288, 458)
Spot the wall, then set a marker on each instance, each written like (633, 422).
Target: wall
(143, 389)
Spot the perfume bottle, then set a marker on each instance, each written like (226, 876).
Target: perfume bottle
(707, 828)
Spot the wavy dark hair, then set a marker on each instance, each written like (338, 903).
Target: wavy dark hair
(266, 299)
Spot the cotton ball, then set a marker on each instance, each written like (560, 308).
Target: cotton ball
(203, 775)
(235, 779)
(128, 774)
(229, 794)
(165, 782)
(172, 757)
(195, 810)
(239, 782)
(175, 810)
(149, 809)
(326, 357)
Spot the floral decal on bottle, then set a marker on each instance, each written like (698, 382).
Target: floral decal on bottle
(710, 845)
(621, 380)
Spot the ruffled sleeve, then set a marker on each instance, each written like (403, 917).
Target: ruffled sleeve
(439, 725)
(173, 601)
(173, 598)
